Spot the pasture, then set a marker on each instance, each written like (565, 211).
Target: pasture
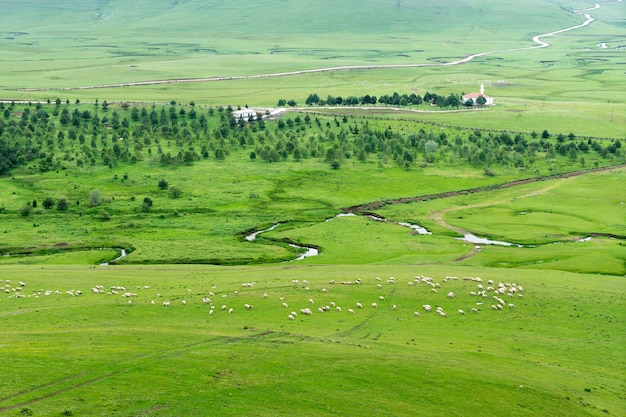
(96, 354)
(130, 283)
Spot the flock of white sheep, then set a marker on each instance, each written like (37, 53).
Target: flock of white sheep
(479, 296)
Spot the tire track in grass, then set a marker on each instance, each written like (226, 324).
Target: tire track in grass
(122, 367)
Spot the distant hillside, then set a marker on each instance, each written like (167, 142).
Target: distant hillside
(60, 43)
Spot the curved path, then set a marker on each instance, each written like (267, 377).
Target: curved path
(537, 39)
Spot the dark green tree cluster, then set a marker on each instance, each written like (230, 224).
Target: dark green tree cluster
(395, 99)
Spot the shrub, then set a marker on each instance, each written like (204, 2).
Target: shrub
(95, 198)
(62, 204)
(25, 210)
(146, 205)
(104, 215)
(48, 203)
(163, 184)
(175, 192)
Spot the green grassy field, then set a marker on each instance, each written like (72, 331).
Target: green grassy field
(80, 183)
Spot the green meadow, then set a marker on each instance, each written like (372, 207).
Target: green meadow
(159, 257)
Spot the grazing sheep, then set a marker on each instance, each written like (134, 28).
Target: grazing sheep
(332, 303)
(295, 281)
(281, 299)
(130, 302)
(324, 290)
(442, 314)
(393, 307)
(381, 298)
(210, 312)
(511, 306)
(230, 310)
(433, 290)
(293, 313)
(321, 309)
(427, 307)
(493, 307)
(248, 306)
(374, 305)
(285, 305)
(474, 310)
(206, 300)
(450, 295)
(338, 309)
(166, 303)
(184, 302)
(378, 286)
(265, 295)
(461, 312)
(291, 317)
(332, 281)
(152, 302)
(311, 301)
(359, 305)
(350, 311)
(416, 313)
(224, 307)
(377, 279)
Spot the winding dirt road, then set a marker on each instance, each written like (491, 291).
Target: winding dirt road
(537, 39)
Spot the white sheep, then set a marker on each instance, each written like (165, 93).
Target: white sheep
(166, 303)
(285, 305)
(184, 302)
(374, 305)
(230, 310)
(461, 312)
(311, 301)
(338, 309)
(359, 305)
(416, 313)
(248, 306)
(450, 295)
(427, 307)
(474, 310)
(291, 317)
(393, 307)
(350, 311)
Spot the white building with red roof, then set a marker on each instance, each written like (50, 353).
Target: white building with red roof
(474, 97)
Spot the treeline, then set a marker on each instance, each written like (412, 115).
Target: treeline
(395, 99)
(66, 136)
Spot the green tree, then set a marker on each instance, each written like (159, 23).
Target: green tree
(163, 184)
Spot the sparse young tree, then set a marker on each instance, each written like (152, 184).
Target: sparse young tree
(95, 198)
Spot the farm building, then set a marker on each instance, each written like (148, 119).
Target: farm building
(245, 114)
(474, 97)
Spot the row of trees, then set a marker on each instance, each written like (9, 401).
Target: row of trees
(395, 99)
